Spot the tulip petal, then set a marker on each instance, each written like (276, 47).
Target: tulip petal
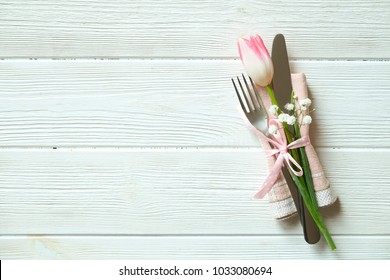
(242, 42)
(260, 43)
(256, 48)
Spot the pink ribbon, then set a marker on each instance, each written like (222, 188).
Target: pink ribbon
(280, 151)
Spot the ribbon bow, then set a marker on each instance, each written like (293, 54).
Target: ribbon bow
(280, 151)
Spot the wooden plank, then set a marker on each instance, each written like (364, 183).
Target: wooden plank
(176, 192)
(153, 28)
(176, 103)
(190, 247)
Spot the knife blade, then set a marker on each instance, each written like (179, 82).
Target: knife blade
(282, 87)
(281, 81)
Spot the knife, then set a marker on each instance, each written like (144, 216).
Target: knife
(282, 87)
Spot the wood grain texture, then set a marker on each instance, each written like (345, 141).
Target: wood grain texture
(152, 159)
(86, 28)
(190, 247)
(176, 192)
(156, 103)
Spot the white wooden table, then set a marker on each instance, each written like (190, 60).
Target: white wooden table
(120, 137)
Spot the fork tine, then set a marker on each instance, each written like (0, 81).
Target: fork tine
(247, 96)
(252, 95)
(257, 94)
(243, 107)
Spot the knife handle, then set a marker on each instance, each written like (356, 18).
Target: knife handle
(310, 229)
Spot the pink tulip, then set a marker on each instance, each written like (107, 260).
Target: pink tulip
(256, 59)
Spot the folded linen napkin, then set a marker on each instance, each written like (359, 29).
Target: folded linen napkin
(281, 202)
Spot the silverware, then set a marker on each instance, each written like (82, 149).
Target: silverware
(254, 110)
(251, 104)
(282, 87)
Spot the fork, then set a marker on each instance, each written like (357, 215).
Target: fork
(254, 110)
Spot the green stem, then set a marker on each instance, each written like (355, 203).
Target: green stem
(310, 198)
(289, 137)
(304, 184)
(314, 211)
(271, 94)
(306, 168)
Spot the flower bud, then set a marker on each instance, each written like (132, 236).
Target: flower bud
(256, 59)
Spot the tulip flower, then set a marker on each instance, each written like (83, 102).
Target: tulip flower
(256, 59)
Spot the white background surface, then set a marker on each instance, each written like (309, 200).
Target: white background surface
(120, 137)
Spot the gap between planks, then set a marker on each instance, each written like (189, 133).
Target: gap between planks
(81, 58)
(175, 149)
(187, 235)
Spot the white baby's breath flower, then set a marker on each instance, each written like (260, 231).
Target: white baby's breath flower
(283, 117)
(273, 109)
(306, 120)
(291, 120)
(272, 129)
(305, 102)
(289, 107)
